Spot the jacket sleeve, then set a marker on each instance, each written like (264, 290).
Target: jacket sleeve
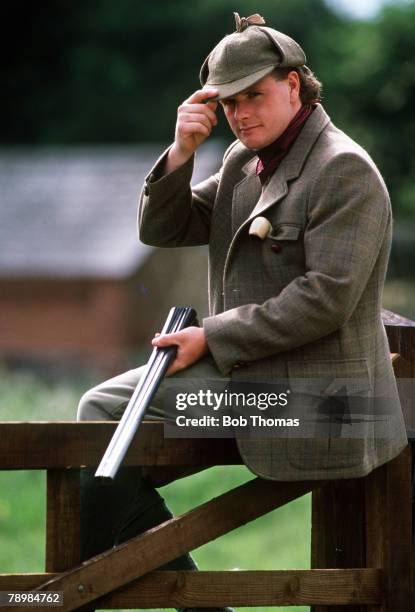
(171, 213)
(348, 223)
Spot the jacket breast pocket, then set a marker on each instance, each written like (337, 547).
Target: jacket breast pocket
(333, 401)
(285, 232)
(283, 253)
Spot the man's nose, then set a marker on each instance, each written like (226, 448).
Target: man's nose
(241, 111)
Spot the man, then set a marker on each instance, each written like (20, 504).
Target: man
(300, 299)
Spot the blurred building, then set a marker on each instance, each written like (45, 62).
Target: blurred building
(76, 285)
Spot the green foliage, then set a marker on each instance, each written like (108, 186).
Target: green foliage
(369, 76)
(399, 297)
(22, 527)
(104, 71)
(107, 72)
(25, 396)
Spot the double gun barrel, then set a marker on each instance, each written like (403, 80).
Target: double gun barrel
(178, 318)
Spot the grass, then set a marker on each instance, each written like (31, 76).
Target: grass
(279, 540)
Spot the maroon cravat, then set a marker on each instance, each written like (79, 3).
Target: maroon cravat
(271, 156)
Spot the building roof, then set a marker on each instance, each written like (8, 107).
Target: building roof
(71, 212)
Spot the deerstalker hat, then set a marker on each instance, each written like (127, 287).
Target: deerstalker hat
(244, 57)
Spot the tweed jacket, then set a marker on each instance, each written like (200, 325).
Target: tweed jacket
(306, 310)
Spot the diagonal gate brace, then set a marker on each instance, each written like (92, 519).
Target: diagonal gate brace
(120, 565)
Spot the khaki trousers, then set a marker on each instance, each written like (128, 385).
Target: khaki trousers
(108, 400)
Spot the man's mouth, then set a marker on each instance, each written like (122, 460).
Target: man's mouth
(244, 130)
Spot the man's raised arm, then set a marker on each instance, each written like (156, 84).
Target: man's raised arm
(195, 122)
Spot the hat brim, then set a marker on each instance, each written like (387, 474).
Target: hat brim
(227, 90)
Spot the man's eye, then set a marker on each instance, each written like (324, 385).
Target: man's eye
(253, 94)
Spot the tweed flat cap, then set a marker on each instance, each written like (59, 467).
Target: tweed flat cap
(244, 57)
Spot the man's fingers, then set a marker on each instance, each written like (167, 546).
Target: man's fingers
(195, 121)
(191, 346)
(202, 110)
(208, 121)
(195, 128)
(201, 95)
(212, 105)
(186, 120)
(170, 340)
(177, 365)
(166, 340)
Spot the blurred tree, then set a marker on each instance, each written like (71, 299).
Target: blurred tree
(368, 69)
(105, 71)
(101, 71)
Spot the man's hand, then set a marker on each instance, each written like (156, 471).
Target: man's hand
(191, 346)
(195, 121)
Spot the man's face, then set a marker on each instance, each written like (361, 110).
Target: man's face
(260, 114)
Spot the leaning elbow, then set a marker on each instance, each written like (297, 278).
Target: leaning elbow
(145, 237)
(158, 238)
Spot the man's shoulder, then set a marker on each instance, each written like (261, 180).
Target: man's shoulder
(334, 143)
(336, 153)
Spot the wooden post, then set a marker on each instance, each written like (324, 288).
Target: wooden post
(389, 531)
(62, 520)
(337, 530)
(401, 336)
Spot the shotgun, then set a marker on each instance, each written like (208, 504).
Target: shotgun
(178, 318)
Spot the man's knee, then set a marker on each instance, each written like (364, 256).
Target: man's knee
(89, 408)
(108, 400)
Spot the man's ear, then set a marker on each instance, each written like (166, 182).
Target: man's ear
(294, 85)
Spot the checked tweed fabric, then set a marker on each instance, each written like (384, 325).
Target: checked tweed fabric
(311, 308)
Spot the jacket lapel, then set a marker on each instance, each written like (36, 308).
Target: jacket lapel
(245, 194)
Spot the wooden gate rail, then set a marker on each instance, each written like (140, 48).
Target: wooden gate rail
(60, 445)
(362, 552)
(170, 589)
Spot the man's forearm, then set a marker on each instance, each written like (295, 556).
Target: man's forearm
(175, 159)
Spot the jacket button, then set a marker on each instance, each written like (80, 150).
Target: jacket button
(276, 248)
